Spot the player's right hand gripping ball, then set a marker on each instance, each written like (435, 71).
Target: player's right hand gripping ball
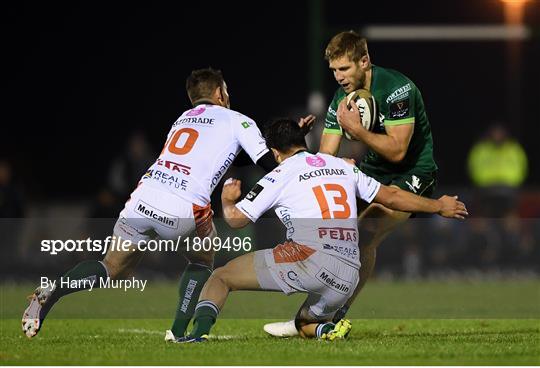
(366, 105)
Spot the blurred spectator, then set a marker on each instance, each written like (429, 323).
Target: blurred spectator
(519, 245)
(411, 258)
(105, 205)
(484, 245)
(498, 166)
(445, 244)
(127, 169)
(11, 206)
(11, 199)
(102, 214)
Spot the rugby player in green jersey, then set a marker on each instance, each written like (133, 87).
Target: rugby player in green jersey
(400, 145)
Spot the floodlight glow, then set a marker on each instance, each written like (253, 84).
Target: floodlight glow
(515, 2)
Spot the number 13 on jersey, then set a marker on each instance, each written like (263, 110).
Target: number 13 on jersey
(339, 196)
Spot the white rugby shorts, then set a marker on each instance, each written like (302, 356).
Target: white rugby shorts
(292, 267)
(151, 212)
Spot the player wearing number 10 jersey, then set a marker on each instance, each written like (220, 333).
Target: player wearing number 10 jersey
(172, 198)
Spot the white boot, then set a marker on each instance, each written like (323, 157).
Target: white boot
(281, 329)
(32, 318)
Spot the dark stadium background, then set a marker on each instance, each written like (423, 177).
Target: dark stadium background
(81, 77)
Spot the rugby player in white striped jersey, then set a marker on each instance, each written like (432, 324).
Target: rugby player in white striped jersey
(172, 198)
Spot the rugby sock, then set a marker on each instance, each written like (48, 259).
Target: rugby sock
(88, 273)
(191, 284)
(205, 316)
(323, 328)
(87, 270)
(340, 314)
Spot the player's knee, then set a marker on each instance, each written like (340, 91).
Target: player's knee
(229, 276)
(377, 210)
(117, 266)
(374, 211)
(222, 275)
(113, 268)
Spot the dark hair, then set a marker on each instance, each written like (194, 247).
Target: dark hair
(284, 134)
(346, 43)
(202, 83)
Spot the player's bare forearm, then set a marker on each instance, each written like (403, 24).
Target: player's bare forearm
(390, 147)
(229, 196)
(233, 216)
(398, 199)
(330, 144)
(401, 200)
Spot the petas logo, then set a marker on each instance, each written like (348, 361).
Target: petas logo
(196, 111)
(315, 161)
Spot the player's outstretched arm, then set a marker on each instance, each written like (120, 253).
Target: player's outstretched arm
(401, 200)
(230, 194)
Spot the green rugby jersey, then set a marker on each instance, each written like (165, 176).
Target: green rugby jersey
(399, 102)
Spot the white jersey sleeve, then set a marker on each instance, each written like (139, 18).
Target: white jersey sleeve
(263, 196)
(366, 187)
(249, 136)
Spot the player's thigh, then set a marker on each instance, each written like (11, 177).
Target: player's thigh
(239, 273)
(380, 220)
(204, 234)
(205, 253)
(121, 260)
(418, 183)
(377, 221)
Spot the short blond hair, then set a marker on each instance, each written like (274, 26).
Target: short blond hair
(346, 43)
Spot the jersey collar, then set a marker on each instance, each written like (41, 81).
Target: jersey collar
(203, 102)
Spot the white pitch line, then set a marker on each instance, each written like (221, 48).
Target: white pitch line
(155, 332)
(140, 331)
(225, 337)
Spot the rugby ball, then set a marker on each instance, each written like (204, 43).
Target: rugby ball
(366, 105)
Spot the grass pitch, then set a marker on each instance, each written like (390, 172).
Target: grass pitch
(457, 323)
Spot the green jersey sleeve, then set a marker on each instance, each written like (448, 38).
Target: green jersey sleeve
(331, 125)
(400, 105)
